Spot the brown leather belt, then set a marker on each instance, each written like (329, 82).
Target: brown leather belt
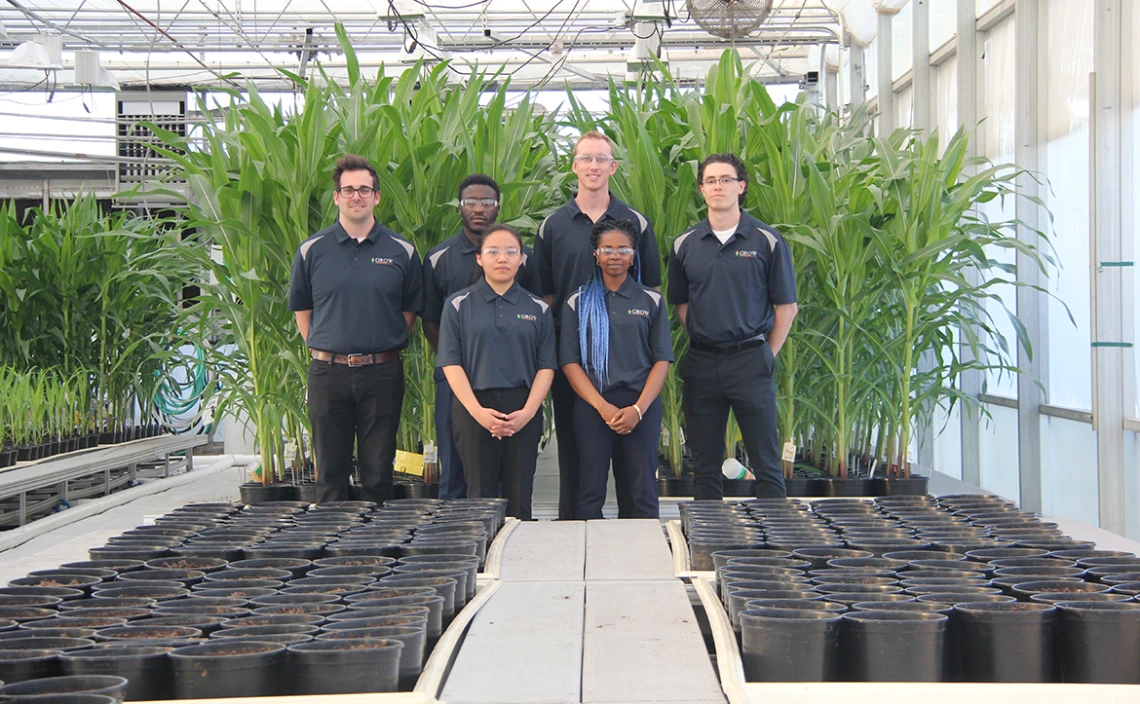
(355, 360)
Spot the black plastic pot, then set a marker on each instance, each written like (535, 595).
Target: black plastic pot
(1006, 642)
(411, 656)
(145, 632)
(146, 668)
(35, 643)
(1100, 642)
(344, 666)
(444, 586)
(900, 486)
(833, 486)
(673, 486)
(298, 568)
(255, 493)
(893, 646)
(106, 685)
(223, 669)
(20, 665)
(790, 645)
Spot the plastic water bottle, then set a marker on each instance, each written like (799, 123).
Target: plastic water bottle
(732, 469)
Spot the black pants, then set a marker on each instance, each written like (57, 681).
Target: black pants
(597, 445)
(742, 381)
(488, 462)
(355, 403)
(565, 398)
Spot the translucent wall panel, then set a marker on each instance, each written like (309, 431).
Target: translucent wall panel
(91, 131)
(943, 21)
(1066, 64)
(948, 441)
(902, 36)
(945, 79)
(984, 5)
(999, 448)
(904, 107)
(1068, 470)
(998, 145)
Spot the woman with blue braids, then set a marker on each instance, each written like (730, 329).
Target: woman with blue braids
(615, 352)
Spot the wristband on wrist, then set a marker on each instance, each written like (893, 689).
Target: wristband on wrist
(636, 408)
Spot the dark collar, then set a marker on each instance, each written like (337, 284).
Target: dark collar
(614, 211)
(512, 295)
(465, 245)
(627, 289)
(342, 235)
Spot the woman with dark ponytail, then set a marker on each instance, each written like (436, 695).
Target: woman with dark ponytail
(615, 352)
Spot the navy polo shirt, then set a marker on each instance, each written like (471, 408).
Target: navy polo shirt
(500, 341)
(731, 288)
(448, 268)
(358, 291)
(566, 259)
(639, 335)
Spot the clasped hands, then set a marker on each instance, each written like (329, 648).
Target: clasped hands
(620, 420)
(503, 425)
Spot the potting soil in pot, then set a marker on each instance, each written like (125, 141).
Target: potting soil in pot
(235, 595)
(916, 588)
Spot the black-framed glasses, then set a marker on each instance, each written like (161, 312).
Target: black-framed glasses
(723, 181)
(349, 191)
(470, 203)
(610, 251)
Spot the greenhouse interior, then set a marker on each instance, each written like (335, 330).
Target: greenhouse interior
(308, 386)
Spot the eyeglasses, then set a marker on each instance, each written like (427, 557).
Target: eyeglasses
(725, 181)
(349, 191)
(510, 252)
(601, 159)
(470, 203)
(610, 251)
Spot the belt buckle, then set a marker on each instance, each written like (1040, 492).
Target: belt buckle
(352, 360)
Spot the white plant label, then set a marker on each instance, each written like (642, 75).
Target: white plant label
(789, 454)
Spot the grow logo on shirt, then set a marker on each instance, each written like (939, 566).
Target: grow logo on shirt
(746, 253)
(383, 260)
(638, 311)
(528, 316)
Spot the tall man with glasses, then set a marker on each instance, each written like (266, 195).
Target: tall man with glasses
(355, 291)
(734, 286)
(449, 267)
(565, 262)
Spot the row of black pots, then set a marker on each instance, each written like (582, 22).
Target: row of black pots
(814, 487)
(253, 493)
(1073, 642)
(73, 443)
(235, 667)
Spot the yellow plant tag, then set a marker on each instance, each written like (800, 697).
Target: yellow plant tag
(789, 454)
(409, 463)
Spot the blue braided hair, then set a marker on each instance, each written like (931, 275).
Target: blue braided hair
(593, 318)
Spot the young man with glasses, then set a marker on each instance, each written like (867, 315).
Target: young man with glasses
(450, 267)
(356, 289)
(734, 286)
(565, 262)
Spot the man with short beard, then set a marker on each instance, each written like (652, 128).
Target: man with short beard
(355, 290)
(449, 267)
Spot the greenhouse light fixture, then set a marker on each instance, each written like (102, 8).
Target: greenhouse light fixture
(43, 53)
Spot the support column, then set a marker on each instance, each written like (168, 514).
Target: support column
(886, 85)
(922, 97)
(967, 58)
(922, 89)
(1107, 248)
(856, 74)
(1029, 303)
